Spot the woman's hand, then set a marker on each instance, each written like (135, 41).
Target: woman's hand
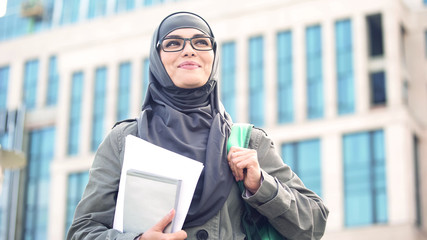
(156, 232)
(244, 165)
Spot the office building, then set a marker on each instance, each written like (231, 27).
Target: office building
(339, 85)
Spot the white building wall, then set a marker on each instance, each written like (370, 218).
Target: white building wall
(126, 37)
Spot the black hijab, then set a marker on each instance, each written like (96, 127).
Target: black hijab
(191, 122)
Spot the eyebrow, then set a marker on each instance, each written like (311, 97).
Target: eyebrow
(179, 36)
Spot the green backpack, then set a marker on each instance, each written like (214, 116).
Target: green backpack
(255, 225)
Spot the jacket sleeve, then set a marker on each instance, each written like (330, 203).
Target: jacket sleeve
(294, 210)
(94, 214)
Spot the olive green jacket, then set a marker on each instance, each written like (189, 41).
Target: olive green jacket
(295, 211)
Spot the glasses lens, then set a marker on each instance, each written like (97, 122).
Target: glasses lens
(201, 43)
(172, 44)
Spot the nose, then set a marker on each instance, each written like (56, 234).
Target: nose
(188, 49)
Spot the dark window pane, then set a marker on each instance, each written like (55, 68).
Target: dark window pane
(375, 35)
(378, 88)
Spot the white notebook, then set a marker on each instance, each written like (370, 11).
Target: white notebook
(148, 198)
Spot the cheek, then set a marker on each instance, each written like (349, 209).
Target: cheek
(167, 61)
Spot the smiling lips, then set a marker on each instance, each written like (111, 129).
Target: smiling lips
(189, 65)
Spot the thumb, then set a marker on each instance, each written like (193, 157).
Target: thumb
(161, 225)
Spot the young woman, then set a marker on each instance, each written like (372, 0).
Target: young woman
(182, 113)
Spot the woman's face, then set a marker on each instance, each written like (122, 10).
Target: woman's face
(188, 68)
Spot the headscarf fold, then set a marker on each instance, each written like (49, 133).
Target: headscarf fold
(191, 122)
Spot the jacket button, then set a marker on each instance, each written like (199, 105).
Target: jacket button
(202, 234)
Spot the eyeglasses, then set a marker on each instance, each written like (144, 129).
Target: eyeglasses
(176, 44)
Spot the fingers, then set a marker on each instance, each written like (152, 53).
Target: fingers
(156, 232)
(242, 159)
(178, 235)
(161, 225)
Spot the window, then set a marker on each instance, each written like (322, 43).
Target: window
(145, 77)
(345, 71)
(425, 2)
(304, 159)
(98, 107)
(256, 81)
(314, 72)
(97, 8)
(375, 35)
(53, 82)
(228, 77)
(75, 113)
(124, 91)
(4, 82)
(30, 83)
(152, 2)
(124, 5)
(285, 92)
(70, 11)
(76, 186)
(378, 88)
(418, 189)
(365, 197)
(11, 24)
(425, 42)
(39, 157)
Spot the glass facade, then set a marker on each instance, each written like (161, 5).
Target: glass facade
(345, 70)
(97, 8)
(152, 2)
(70, 11)
(378, 88)
(125, 5)
(43, 14)
(365, 187)
(75, 113)
(31, 73)
(256, 81)
(76, 186)
(228, 77)
(425, 41)
(285, 92)
(53, 82)
(314, 72)
(375, 35)
(39, 156)
(304, 159)
(99, 104)
(4, 82)
(123, 101)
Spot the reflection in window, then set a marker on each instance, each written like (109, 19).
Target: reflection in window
(70, 11)
(228, 77)
(53, 82)
(256, 81)
(30, 83)
(304, 159)
(365, 195)
(125, 71)
(345, 71)
(97, 8)
(4, 82)
(378, 88)
(314, 72)
(375, 35)
(99, 104)
(125, 5)
(76, 186)
(40, 155)
(75, 113)
(285, 92)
